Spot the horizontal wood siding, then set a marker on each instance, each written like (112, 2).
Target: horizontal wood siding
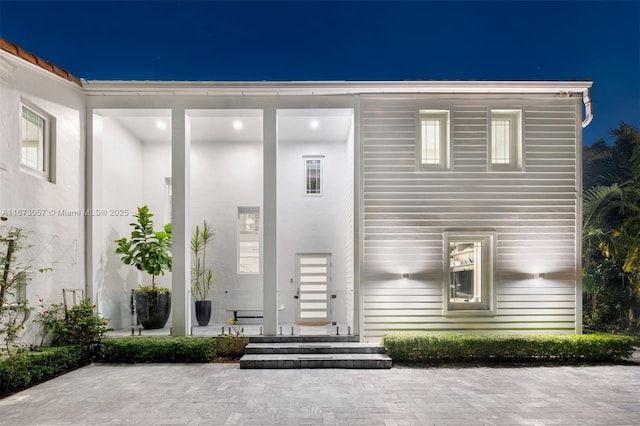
(406, 211)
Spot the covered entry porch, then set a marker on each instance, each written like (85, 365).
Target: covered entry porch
(274, 179)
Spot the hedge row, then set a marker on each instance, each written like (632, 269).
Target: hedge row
(158, 349)
(437, 348)
(33, 366)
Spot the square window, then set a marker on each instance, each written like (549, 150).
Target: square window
(33, 140)
(313, 176)
(506, 139)
(248, 240)
(433, 149)
(470, 271)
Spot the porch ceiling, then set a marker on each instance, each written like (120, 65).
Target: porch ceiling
(154, 125)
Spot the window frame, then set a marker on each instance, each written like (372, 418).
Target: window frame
(444, 117)
(305, 160)
(515, 139)
(487, 305)
(239, 224)
(47, 143)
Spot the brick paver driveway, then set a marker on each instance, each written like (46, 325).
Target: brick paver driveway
(212, 394)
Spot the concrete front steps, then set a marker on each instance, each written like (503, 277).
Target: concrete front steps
(314, 354)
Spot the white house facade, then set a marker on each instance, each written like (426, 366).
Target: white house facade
(372, 206)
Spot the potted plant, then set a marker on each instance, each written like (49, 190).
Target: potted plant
(201, 275)
(149, 251)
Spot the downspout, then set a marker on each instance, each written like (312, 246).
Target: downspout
(586, 99)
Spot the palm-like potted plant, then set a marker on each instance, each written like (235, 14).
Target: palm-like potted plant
(201, 275)
(149, 251)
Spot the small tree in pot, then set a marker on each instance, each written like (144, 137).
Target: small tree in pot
(201, 275)
(149, 251)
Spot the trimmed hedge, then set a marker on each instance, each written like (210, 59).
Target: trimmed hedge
(437, 348)
(33, 366)
(158, 349)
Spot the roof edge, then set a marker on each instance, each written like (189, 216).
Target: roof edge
(36, 60)
(331, 87)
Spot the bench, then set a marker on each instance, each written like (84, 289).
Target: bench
(245, 313)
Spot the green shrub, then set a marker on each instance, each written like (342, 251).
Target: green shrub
(77, 325)
(33, 366)
(434, 348)
(158, 349)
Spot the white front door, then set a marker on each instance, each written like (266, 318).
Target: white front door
(313, 277)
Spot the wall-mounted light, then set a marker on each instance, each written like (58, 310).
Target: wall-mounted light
(537, 276)
(404, 276)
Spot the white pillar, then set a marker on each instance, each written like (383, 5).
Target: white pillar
(269, 231)
(180, 181)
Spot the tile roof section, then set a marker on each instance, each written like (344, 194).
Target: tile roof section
(16, 50)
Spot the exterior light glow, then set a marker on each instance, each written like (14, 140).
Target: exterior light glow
(314, 124)
(237, 124)
(161, 125)
(537, 276)
(404, 276)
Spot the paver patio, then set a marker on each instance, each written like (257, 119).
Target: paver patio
(215, 394)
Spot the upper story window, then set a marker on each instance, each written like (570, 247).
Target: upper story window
(313, 176)
(34, 140)
(433, 152)
(248, 240)
(470, 270)
(506, 139)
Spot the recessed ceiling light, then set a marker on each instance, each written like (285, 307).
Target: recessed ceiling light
(161, 125)
(237, 124)
(314, 124)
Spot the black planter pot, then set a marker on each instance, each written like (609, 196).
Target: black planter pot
(203, 312)
(153, 309)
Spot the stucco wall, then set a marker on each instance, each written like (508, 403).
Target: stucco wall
(47, 210)
(118, 187)
(314, 224)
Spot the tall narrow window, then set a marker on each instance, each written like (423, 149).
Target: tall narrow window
(33, 140)
(433, 149)
(506, 139)
(313, 175)
(470, 271)
(248, 240)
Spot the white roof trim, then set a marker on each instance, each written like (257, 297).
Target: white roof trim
(93, 87)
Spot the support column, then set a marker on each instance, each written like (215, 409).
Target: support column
(269, 231)
(180, 252)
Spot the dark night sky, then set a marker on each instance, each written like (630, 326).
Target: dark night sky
(346, 40)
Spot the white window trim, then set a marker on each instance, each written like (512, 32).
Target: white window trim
(444, 116)
(487, 307)
(254, 210)
(516, 138)
(48, 143)
(305, 158)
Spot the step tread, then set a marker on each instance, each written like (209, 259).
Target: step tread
(312, 345)
(339, 360)
(336, 356)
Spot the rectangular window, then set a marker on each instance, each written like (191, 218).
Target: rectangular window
(313, 175)
(34, 140)
(470, 271)
(248, 240)
(506, 139)
(433, 152)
